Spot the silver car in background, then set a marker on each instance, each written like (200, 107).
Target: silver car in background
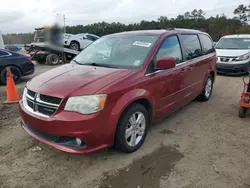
(233, 54)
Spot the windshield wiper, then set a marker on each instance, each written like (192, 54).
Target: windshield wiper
(100, 65)
(76, 62)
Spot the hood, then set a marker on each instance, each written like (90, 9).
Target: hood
(231, 53)
(73, 79)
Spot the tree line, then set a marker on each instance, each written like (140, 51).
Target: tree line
(217, 26)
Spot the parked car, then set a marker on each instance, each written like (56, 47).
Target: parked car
(79, 41)
(12, 47)
(105, 99)
(20, 65)
(233, 52)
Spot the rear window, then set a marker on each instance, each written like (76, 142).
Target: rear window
(234, 43)
(192, 46)
(207, 44)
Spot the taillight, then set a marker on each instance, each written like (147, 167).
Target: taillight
(30, 59)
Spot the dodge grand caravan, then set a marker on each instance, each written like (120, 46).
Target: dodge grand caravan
(233, 53)
(117, 87)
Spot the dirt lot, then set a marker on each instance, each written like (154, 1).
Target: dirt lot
(203, 145)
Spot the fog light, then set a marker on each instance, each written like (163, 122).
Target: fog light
(78, 141)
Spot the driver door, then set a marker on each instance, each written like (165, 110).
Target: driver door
(169, 82)
(85, 41)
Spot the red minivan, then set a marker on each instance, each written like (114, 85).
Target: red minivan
(117, 87)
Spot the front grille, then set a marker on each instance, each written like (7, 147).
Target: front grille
(65, 141)
(227, 59)
(49, 99)
(43, 105)
(224, 59)
(31, 93)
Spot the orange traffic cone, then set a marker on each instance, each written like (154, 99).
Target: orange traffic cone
(12, 95)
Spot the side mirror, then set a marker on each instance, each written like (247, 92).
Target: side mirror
(84, 37)
(165, 63)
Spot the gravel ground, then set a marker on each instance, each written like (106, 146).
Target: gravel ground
(202, 145)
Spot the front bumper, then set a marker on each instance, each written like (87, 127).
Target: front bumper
(60, 130)
(232, 69)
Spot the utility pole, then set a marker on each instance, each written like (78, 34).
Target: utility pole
(64, 20)
(64, 26)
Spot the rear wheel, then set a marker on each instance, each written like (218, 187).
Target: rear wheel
(132, 129)
(242, 112)
(53, 59)
(208, 89)
(15, 72)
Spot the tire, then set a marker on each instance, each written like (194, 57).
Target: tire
(207, 90)
(135, 141)
(17, 75)
(74, 46)
(53, 59)
(242, 112)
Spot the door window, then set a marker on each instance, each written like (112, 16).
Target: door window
(207, 44)
(90, 37)
(170, 48)
(192, 46)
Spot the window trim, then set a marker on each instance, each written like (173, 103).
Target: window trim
(203, 52)
(9, 54)
(185, 47)
(151, 61)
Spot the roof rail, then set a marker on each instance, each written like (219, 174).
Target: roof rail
(183, 29)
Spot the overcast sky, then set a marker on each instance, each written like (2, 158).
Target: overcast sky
(23, 16)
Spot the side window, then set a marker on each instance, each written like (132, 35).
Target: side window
(89, 37)
(207, 44)
(3, 53)
(86, 37)
(170, 48)
(192, 46)
(94, 38)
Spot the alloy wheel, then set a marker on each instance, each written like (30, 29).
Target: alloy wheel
(135, 129)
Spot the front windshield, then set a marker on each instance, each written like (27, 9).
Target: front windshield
(234, 43)
(123, 51)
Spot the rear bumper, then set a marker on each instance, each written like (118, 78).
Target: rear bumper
(232, 69)
(30, 72)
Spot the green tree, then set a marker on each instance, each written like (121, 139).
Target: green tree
(215, 26)
(242, 12)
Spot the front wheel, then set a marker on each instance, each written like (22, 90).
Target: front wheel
(207, 91)
(74, 46)
(132, 129)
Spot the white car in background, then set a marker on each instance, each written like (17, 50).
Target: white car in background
(233, 54)
(79, 41)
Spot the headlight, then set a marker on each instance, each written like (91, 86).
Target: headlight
(66, 36)
(86, 104)
(243, 57)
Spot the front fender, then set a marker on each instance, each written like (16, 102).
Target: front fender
(129, 98)
(125, 100)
